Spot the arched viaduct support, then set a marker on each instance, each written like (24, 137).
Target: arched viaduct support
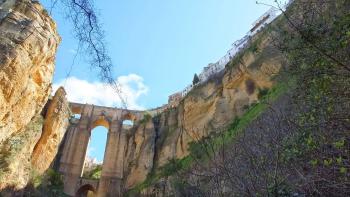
(77, 140)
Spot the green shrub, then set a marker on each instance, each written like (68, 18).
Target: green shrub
(262, 93)
(146, 117)
(94, 173)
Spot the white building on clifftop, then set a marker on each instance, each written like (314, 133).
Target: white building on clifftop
(237, 47)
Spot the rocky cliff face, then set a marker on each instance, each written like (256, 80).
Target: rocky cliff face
(29, 141)
(28, 43)
(212, 106)
(140, 154)
(54, 128)
(15, 152)
(29, 153)
(208, 108)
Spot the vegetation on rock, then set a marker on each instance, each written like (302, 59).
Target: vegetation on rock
(94, 173)
(295, 140)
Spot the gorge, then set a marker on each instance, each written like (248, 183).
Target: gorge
(250, 109)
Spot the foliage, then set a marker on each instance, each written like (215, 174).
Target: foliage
(35, 178)
(173, 166)
(300, 146)
(16, 145)
(262, 92)
(146, 117)
(316, 42)
(202, 150)
(50, 184)
(94, 173)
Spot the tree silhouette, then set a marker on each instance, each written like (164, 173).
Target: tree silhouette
(88, 32)
(195, 79)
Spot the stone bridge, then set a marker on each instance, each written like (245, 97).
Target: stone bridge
(76, 143)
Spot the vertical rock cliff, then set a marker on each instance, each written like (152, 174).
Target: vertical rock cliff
(28, 44)
(209, 108)
(31, 151)
(54, 128)
(140, 153)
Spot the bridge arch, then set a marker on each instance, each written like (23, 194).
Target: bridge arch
(96, 147)
(101, 121)
(86, 190)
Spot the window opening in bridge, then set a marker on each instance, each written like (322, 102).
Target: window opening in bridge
(77, 116)
(74, 119)
(95, 153)
(76, 110)
(127, 124)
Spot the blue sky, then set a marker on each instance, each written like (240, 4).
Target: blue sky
(156, 47)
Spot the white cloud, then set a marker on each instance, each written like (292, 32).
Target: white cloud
(82, 91)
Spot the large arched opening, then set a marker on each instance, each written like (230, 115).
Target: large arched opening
(96, 149)
(86, 191)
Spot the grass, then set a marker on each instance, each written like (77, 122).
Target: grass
(197, 151)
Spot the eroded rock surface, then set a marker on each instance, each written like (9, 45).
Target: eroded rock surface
(208, 108)
(141, 154)
(55, 126)
(28, 44)
(212, 106)
(15, 152)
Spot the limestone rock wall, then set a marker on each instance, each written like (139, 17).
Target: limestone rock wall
(208, 108)
(140, 154)
(30, 152)
(213, 106)
(15, 152)
(28, 44)
(55, 126)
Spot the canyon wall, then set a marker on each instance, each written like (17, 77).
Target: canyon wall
(27, 154)
(31, 133)
(54, 128)
(209, 108)
(133, 153)
(212, 106)
(28, 44)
